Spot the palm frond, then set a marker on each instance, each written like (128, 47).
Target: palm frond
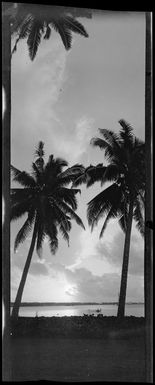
(18, 21)
(31, 23)
(64, 32)
(103, 202)
(53, 243)
(59, 214)
(60, 164)
(51, 231)
(80, 176)
(37, 173)
(67, 210)
(67, 195)
(111, 137)
(23, 30)
(54, 167)
(74, 25)
(100, 143)
(126, 133)
(111, 145)
(47, 33)
(94, 174)
(138, 215)
(64, 232)
(39, 151)
(110, 174)
(23, 178)
(113, 213)
(34, 38)
(70, 175)
(20, 195)
(122, 223)
(25, 230)
(40, 238)
(127, 128)
(20, 208)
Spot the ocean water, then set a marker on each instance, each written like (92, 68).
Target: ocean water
(79, 310)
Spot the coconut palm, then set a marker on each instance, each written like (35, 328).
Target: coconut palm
(48, 204)
(33, 22)
(124, 198)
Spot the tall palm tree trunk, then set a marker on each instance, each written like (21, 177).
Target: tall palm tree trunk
(18, 299)
(122, 296)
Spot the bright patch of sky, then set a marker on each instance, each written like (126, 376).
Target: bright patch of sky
(62, 98)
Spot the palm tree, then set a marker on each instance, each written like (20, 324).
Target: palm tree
(124, 198)
(49, 206)
(33, 22)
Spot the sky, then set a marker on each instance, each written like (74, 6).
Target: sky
(62, 98)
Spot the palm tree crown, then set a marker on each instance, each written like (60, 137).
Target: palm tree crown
(126, 173)
(124, 198)
(46, 200)
(32, 23)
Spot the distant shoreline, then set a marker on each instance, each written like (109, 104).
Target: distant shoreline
(73, 303)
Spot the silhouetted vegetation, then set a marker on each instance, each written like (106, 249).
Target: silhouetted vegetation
(124, 198)
(33, 22)
(76, 326)
(49, 204)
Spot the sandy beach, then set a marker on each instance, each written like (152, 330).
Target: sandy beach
(78, 349)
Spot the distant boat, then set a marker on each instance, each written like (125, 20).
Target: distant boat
(98, 311)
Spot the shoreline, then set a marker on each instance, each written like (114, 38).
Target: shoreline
(73, 303)
(79, 326)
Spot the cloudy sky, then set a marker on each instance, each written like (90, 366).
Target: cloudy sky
(62, 98)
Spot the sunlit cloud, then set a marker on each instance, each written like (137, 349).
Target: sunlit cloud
(88, 254)
(74, 143)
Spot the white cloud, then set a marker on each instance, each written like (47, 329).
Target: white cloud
(88, 254)
(85, 286)
(41, 288)
(113, 252)
(74, 143)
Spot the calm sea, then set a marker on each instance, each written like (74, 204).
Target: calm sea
(79, 310)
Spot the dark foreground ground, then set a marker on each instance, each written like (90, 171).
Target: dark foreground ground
(78, 349)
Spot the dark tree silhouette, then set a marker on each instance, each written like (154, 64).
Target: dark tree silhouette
(124, 198)
(33, 22)
(49, 205)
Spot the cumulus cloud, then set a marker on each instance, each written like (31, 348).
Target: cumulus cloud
(113, 252)
(86, 286)
(74, 142)
(79, 284)
(89, 250)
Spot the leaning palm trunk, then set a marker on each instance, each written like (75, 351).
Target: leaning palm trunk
(122, 296)
(18, 299)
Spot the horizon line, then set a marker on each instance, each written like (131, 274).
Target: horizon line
(77, 302)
